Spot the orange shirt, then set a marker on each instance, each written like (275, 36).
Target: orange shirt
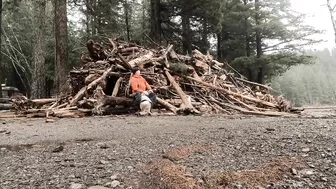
(139, 84)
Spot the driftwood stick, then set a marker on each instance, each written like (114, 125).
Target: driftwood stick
(170, 47)
(243, 104)
(125, 64)
(51, 107)
(252, 99)
(116, 87)
(62, 105)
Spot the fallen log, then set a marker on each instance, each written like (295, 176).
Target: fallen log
(141, 60)
(6, 106)
(167, 105)
(4, 100)
(185, 101)
(41, 102)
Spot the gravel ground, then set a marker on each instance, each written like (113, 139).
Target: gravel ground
(168, 152)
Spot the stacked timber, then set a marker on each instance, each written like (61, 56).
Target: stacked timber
(195, 84)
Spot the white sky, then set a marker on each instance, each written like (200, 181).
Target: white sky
(319, 17)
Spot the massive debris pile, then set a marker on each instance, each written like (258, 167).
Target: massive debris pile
(184, 84)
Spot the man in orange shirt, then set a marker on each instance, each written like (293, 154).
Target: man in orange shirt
(140, 87)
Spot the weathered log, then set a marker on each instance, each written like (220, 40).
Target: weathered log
(178, 102)
(71, 113)
(185, 101)
(10, 115)
(116, 87)
(141, 60)
(41, 102)
(6, 106)
(167, 105)
(4, 100)
(124, 63)
(116, 111)
(169, 48)
(104, 100)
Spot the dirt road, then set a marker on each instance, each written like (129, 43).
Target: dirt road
(168, 152)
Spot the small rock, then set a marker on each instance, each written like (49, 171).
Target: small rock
(329, 149)
(102, 145)
(58, 149)
(200, 181)
(324, 179)
(104, 162)
(115, 183)
(294, 171)
(76, 186)
(305, 150)
(238, 186)
(114, 177)
(72, 176)
(3, 149)
(311, 166)
(309, 141)
(270, 129)
(307, 172)
(3, 130)
(129, 167)
(4, 123)
(304, 155)
(8, 132)
(97, 187)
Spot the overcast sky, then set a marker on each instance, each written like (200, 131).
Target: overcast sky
(319, 17)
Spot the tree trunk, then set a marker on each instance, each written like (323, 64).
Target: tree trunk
(249, 70)
(155, 20)
(1, 74)
(61, 36)
(93, 19)
(126, 9)
(333, 21)
(260, 76)
(247, 36)
(205, 43)
(38, 89)
(219, 47)
(186, 41)
(87, 19)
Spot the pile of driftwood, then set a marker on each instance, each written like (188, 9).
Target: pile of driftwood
(184, 84)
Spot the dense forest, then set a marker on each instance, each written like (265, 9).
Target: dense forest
(262, 39)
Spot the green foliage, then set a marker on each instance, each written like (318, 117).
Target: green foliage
(273, 64)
